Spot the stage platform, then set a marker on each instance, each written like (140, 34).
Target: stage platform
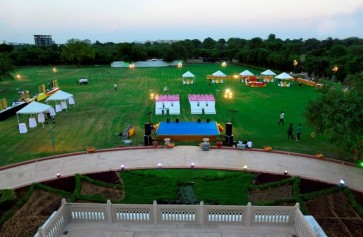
(187, 131)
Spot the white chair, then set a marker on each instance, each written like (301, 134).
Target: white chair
(64, 105)
(71, 101)
(23, 128)
(32, 123)
(52, 112)
(58, 108)
(41, 118)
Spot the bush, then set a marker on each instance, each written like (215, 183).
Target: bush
(7, 198)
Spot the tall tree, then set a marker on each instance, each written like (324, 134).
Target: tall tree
(339, 113)
(77, 52)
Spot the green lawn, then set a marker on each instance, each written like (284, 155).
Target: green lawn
(100, 111)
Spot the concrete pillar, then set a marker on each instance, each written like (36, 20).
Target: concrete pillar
(109, 212)
(201, 213)
(155, 212)
(249, 214)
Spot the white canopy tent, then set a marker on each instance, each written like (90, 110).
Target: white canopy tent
(246, 73)
(62, 96)
(188, 78)
(268, 72)
(31, 109)
(218, 74)
(284, 76)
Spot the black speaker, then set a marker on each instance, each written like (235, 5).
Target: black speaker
(168, 120)
(199, 120)
(177, 120)
(228, 129)
(147, 129)
(228, 140)
(147, 140)
(207, 120)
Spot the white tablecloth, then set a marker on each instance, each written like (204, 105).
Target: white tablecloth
(32, 123)
(22, 128)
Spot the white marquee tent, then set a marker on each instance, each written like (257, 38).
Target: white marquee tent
(246, 73)
(61, 96)
(188, 78)
(284, 76)
(268, 72)
(218, 74)
(32, 109)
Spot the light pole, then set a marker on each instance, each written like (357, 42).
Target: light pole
(52, 136)
(295, 63)
(228, 96)
(335, 69)
(18, 76)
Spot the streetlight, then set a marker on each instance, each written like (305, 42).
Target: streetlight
(18, 76)
(295, 63)
(228, 96)
(335, 69)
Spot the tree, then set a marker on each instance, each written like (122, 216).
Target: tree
(77, 52)
(339, 113)
(5, 64)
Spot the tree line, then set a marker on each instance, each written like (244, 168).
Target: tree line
(316, 57)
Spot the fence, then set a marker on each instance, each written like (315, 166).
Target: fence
(249, 215)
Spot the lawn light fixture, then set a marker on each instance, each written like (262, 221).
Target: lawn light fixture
(122, 167)
(54, 69)
(285, 172)
(245, 167)
(58, 175)
(152, 96)
(180, 65)
(159, 165)
(228, 94)
(224, 64)
(341, 182)
(192, 165)
(131, 66)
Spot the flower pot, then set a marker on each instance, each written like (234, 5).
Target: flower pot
(155, 143)
(219, 144)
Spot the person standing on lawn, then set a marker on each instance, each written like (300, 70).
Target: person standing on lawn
(289, 132)
(298, 130)
(282, 115)
(115, 86)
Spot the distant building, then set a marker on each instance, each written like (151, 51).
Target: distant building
(43, 40)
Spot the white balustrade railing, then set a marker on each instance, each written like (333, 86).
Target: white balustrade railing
(171, 214)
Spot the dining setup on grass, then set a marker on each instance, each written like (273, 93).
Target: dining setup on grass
(40, 113)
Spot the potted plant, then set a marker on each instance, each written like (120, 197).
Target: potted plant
(154, 137)
(220, 140)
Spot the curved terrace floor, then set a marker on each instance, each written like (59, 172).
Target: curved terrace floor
(19, 175)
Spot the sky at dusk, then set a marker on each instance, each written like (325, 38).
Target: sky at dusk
(142, 20)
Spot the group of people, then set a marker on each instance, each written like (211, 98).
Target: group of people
(290, 129)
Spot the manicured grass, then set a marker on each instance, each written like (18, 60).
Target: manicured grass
(144, 186)
(100, 111)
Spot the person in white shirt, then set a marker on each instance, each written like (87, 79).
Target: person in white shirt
(282, 115)
(249, 144)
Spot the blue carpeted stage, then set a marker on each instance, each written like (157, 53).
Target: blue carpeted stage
(188, 131)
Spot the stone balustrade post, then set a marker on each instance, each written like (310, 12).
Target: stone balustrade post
(249, 214)
(108, 213)
(155, 212)
(201, 213)
(41, 232)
